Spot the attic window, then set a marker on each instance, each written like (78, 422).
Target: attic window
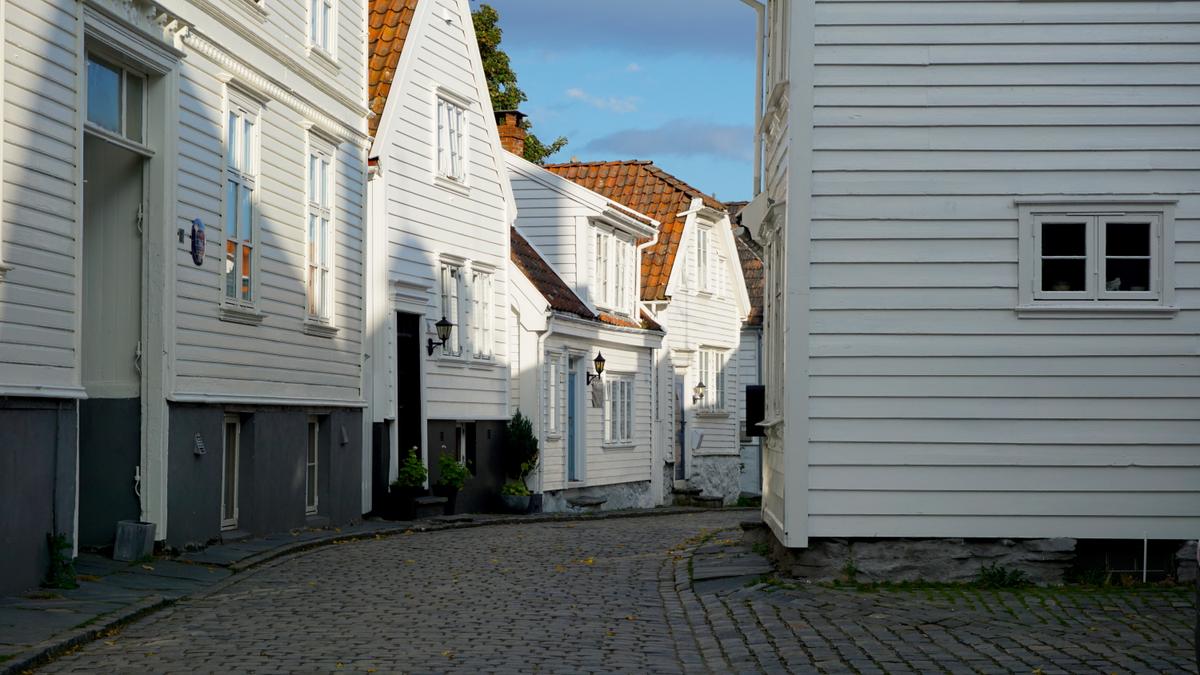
(451, 141)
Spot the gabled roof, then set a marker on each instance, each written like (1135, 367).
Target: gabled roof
(752, 266)
(643, 187)
(386, 32)
(556, 291)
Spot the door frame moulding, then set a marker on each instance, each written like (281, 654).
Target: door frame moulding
(147, 42)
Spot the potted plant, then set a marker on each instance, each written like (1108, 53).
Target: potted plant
(520, 459)
(452, 476)
(409, 484)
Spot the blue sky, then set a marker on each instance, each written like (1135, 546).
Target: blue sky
(667, 80)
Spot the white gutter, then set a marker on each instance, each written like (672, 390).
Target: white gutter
(760, 9)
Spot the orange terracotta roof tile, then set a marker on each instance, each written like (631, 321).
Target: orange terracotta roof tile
(645, 188)
(387, 30)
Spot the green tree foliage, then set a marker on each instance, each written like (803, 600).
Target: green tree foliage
(502, 80)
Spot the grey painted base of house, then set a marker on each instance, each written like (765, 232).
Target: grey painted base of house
(110, 441)
(719, 475)
(639, 495)
(484, 444)
(37, 485)
(272, 470)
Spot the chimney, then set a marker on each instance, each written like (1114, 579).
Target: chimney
(512, 133)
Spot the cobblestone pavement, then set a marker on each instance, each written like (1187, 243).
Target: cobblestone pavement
(615, 596)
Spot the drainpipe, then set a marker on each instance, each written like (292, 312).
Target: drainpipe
(761, 10)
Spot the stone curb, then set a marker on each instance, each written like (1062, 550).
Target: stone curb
(48, 650)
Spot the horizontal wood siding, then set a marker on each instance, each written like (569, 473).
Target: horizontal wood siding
(38, 236)
(550, 221)
(275, 359)
(935, 410)
(425, 221)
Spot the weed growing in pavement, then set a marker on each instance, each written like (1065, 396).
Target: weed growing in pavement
(997, 576)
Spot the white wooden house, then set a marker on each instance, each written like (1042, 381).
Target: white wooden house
(982, 236)
(692, 286)
(598, 432)
(157, 379)
(440, 210)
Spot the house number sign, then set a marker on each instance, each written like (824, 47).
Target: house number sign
(197, 241)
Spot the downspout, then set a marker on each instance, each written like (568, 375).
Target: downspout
(761, 10)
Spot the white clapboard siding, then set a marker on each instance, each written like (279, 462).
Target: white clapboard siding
(934, 409)
(425, 221)
(38, 310)
(276, 359)
(749, 369)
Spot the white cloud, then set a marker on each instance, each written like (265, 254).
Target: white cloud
(633, 68)
(627, 104)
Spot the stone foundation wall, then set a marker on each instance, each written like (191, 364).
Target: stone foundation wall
(1046, 561)
(637, 495)
(717, 475)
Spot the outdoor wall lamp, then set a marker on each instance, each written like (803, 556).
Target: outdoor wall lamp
(444, 328)
(698, 392)
(598, 362)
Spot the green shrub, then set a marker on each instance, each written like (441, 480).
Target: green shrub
(514, 488)
(412, 473)
(451, 472)
(520, 448)
(997, 576)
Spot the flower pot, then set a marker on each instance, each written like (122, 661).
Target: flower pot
(516, 503)
(451, 495)
(134, 541)
(402, 502)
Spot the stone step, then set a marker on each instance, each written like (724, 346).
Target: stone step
(708, 501)
(586, 502)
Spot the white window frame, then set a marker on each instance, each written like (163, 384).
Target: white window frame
(319, 220)
(704, 259)
(1095, 300)
(713, 371)
(482, 312)
(312, 485)
(236, 421)
(619, 409)
(613, 262)
(241, 163)
(322, 28)
(451, 302)
(451, 140)
(555, 393)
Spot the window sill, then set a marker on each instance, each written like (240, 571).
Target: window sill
(319, 329)
(324, 58)
(1094, 310)
(458, 187)
(482, 364)
(715, 414)
(242, 315)
(625, 445)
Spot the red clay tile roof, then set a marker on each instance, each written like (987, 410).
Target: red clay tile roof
(557, 293)
(387, 30)
(545, 279)
(645, 188)
(752, 267)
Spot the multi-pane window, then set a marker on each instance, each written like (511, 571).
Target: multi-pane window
(116, 99)
(618, 404)
(703, 260)
(451, 306)
(241, 154)
(319, 250)
(614, 266)
(310, 466)
(712, 375)
(229, 473)
(481, 314)
(555, 392)
(451, 140)
(1097, 257)
(321, 25)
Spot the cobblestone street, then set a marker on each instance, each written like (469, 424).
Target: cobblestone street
(615, 596)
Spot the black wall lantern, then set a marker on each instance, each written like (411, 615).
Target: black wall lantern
(598, 362)
(444, 328)
(698, 392)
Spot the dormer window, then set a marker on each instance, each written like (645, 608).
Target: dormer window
(614, 257)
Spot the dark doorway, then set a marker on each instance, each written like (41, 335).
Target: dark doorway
(408, 382)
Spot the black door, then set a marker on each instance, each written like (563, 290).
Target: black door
(408, 383)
